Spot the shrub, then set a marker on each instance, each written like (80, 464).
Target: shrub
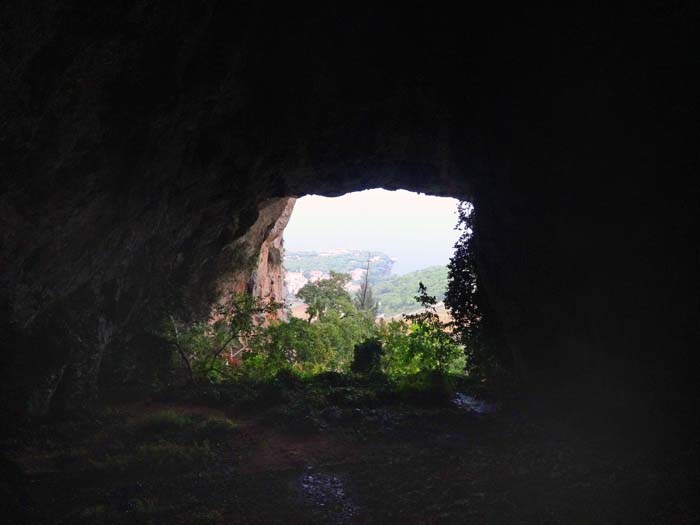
(418, 349)
(206, 348)
(308, 348)
(367, 357)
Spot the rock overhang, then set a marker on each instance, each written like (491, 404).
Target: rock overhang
(140, 146)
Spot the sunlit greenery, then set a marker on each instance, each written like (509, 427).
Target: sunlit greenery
(205, 349)
(396, 294)
(324, 342)
(241, 341)
(327, 296)
(419, 344)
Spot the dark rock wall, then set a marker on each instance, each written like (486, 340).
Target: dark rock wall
(140, 140)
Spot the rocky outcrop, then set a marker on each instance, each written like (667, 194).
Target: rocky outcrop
(261, 250)
(142, 142)
(268, 277)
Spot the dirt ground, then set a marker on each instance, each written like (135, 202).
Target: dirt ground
(464, 462)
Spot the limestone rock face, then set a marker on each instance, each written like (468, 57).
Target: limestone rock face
(148, 151)
(268, 277)
(262, 250)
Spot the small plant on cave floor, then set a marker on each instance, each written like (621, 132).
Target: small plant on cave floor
(207, 349)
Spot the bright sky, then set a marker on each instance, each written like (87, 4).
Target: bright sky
(414, 228)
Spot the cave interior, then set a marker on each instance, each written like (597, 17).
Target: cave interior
(147, 147)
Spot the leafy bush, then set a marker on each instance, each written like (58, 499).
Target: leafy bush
(343, 338)
(207, 348)
(337, 337)
(327, 295)
(408, 350)
(367, 357)
(310, 348)
(418, 350)
(281, 346)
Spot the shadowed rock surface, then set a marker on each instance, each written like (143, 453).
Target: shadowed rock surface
(140, 142)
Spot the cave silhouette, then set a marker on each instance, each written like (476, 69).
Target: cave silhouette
(149, 146)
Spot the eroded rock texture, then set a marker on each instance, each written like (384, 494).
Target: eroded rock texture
(261, 252)
(268, 277)
(141, 141)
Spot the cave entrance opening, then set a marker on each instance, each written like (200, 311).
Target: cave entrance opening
(366, 278)
(403, 238)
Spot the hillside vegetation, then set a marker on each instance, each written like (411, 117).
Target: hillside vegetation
(396, 294)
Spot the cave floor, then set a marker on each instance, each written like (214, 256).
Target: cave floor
(384, 464)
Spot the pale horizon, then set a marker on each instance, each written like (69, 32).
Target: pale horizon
(417, 230)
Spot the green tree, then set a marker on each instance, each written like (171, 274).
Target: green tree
(326, 295)
(461, 297)
(465, 300)
(367, 357)
(325, 344)
(205, 347)
(438, 347)
(364, 299)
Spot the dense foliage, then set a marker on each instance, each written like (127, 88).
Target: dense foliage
(367, 357)
(396, 294)
(327, 295)
(461, 296)
(241, 341)
(420, 344)
(206, 348)
(306, 348)
(465, 301)
(390, 294)
(339, 334)
(324, 342)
